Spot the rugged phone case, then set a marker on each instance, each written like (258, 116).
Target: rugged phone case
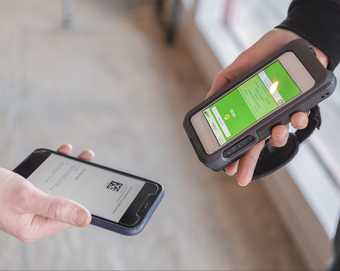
(325, 83)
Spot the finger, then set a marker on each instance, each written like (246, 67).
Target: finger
(59, 209)
(247, 164)
(252, 56)
(279, 136)
(42, 227)
(86, 155)
(225, 77)
(321, 57)
(65, 149)
(231, 169)
(221, 81)
(299, 120)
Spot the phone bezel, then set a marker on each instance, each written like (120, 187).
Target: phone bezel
(142, 205)
(296, 70)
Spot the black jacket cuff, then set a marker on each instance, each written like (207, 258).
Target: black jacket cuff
(317, 21)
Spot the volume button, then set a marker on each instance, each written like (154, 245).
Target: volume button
(239, 145)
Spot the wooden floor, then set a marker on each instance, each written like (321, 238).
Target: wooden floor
(110, 83)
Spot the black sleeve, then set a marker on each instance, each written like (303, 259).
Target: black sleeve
(317, 21)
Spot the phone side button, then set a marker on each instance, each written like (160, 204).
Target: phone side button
(246, 141)
(239, 145)
(229, 152)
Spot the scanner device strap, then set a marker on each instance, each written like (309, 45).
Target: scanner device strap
(271, 158)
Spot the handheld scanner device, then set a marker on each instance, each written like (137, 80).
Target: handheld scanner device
(226, 125)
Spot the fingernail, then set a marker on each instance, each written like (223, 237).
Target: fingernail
(226, 172)
(243, 184)
(247, 178)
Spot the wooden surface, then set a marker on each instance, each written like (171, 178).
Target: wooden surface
(111, 85)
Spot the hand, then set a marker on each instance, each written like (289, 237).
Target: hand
(30, 214)
(268, 44)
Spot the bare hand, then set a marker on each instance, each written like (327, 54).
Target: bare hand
(30, 214)
(269, 43)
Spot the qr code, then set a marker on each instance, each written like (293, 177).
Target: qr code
(114, 186)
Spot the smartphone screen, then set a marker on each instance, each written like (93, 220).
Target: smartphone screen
(106, 194)
(250, 102)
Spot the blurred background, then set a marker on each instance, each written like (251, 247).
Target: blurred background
(118, 76)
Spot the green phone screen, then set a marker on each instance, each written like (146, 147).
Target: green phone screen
(250, 102)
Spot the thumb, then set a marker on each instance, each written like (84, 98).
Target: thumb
(59, 209)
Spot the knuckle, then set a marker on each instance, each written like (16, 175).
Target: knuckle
(279, 134)
(225, 75)
(53, 209)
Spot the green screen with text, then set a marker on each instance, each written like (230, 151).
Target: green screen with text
(250, 102)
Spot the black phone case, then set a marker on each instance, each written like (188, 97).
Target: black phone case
(325, 83)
